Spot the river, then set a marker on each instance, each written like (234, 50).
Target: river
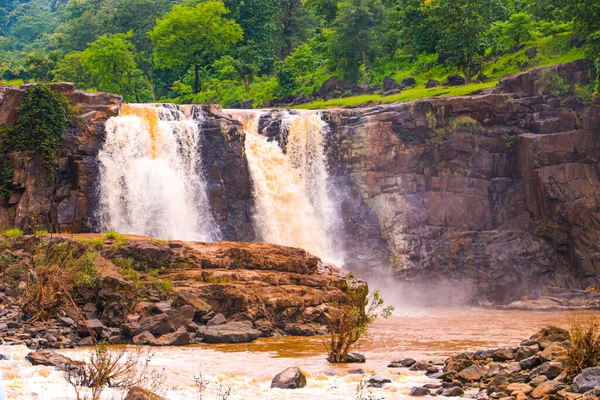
(426, 335)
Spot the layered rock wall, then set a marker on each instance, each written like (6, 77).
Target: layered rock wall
(496, 194)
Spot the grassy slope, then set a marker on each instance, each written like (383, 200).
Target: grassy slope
(551, 51)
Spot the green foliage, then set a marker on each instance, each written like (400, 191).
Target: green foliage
(192, 36)
(110, 62)
(86, 272)
(119, 239)
(584, 348)
(13, 233)
(552, 83)
(96, 243)
(353, 43)
(349, 322)
(507, 35)
(43, 117)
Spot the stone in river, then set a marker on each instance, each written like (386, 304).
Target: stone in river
(231, 332)
(290, 378)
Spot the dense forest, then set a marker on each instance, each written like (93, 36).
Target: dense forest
(257, 52)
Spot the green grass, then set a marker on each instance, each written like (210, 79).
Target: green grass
(405, 95)
(551, 50)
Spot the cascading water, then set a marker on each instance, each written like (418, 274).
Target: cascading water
(293, 206)
(150, 178)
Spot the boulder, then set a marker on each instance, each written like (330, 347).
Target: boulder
(454, 80)
(481, 78)
(143, 338)
(378, 381)
(95, 325)
(454, 391)
(180, 337)
(525, 352)
(419, 391)
(531, 362)
(389, 83)
(432, 83)
(231, 332)
(50, 358)
(392, 92)
(410, 81)
(547, 388)
(137, 393)
(502, 355)
(553, 352)
(363, 89)
(355, 358)
(472, 373)
(406, 362)
(181, 316)
(551, 334)
(290, 378)
(549, 369)
(218, 319)
(531, 53)
(519, 387)
(588, 379)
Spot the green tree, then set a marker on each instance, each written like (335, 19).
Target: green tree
(354, 41)
(585, 14)
(71, 69)
(111, 61)
(507, 35)
(294, 26)
(258, 19)
(463, 25)
(194, 36)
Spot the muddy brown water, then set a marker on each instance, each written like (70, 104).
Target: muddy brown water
(427, 335)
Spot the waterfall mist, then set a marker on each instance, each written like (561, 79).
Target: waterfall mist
(151, 179)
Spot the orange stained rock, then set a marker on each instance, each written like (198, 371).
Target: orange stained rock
(150, 117)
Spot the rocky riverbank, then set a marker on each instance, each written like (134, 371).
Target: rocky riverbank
(143, 291)
(536, 369)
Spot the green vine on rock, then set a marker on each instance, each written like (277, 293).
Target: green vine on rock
(43, 117)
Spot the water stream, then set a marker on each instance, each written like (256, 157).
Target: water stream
(426, 335)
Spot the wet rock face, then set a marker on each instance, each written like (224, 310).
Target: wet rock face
(496, 194)
(68, 201)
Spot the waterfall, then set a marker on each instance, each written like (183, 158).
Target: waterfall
(293, 206)
(151, 180)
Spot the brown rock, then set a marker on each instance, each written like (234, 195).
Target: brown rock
(290, 378)
(472, 373)
(137, 393)
(547, 388)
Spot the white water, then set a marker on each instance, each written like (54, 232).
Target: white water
(293, 205)
(151, 181)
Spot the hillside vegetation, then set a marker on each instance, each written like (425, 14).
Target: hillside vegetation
(306, 53)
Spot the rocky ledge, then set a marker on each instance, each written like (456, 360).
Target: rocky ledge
(533, 370)
(144, 291)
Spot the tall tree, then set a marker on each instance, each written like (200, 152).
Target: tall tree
(110, 60)
(354, 41)
(462, 26)
(194, 36)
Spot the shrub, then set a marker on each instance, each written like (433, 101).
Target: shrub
(13, 233)
(584, 351)
(96, 243)
(41, 232)
(120, 239)
(122, 369)
(552, 83)
(349, 322)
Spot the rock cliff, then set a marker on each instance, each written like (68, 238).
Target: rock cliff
(495, 196)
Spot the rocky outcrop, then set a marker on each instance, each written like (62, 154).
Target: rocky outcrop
(68, 200)
(494, 197)
(483, 375)
(166, 293)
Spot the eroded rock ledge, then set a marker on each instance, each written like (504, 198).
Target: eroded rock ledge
(168, 293)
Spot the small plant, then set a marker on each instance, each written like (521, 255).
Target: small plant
(96, 243)
(165, 285)
(87, 273)
(510, 101)
(363, 389)
(120, 240)
(41, 233)
(584, 350)
(509, 141)
(443, 164)
(349, 322)
(552, 83)
(122, 369)
(13, 233)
